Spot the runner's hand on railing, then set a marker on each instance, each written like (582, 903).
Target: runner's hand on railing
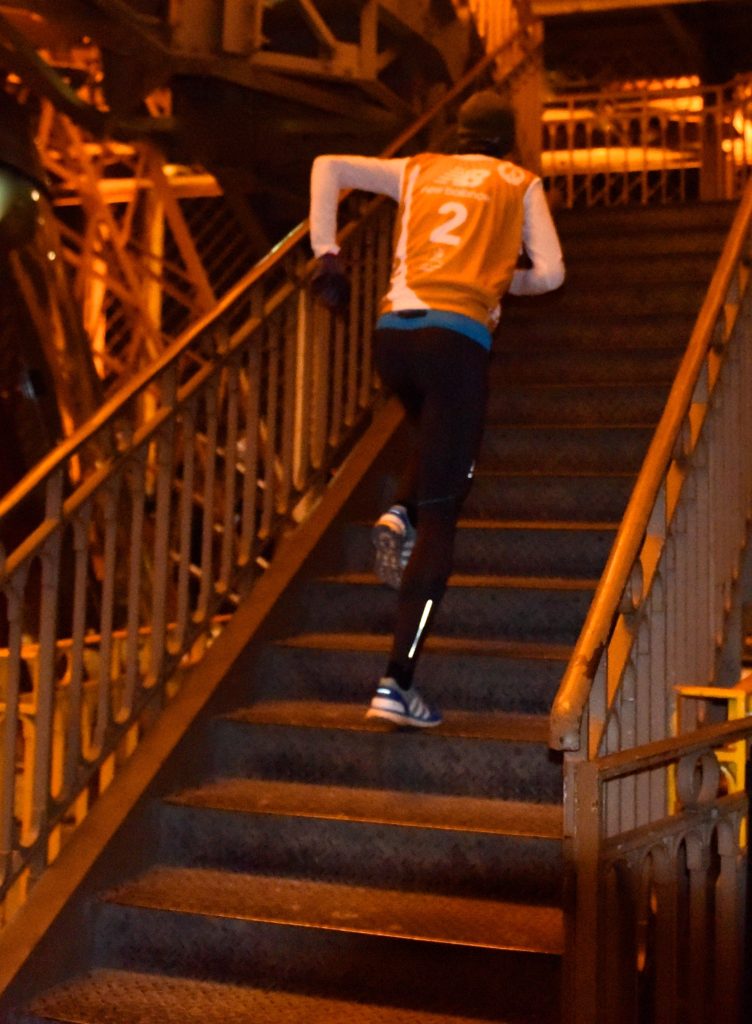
(329, 283)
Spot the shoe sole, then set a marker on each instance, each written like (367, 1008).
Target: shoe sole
(388, 562)
(397, 719)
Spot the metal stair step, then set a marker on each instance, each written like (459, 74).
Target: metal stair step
(556, 449)
(667, 222)
(567, 405)
(507, 548)
(366, 910)
(585, 497)
(515, 608)
(133, 997)
(616, 297)
(493, 754)
(544, 329)
(589, 366)
(428, 842)
(476, 674)
(651, 268)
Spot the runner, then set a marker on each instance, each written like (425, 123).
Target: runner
(464, 219)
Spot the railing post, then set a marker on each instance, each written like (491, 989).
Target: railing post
(582, 891)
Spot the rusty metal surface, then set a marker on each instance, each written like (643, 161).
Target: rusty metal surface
(349, 908)
(120, 997)
(418, 810)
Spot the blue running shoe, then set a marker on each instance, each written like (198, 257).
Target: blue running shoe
(403, 707)
(393, 537)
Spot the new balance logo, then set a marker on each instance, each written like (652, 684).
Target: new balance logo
(461, 177)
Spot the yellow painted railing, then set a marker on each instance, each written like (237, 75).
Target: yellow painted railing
(657, 844)
(648, 144)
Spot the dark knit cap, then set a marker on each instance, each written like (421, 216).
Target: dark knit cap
(486, 117)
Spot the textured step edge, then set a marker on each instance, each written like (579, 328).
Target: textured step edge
(407, 810)
(144, 998)
(466, 646)
(326, 906)
(496, 726)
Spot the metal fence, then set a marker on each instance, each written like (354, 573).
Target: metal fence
(144, 529)
(649, 144)
(655, 799)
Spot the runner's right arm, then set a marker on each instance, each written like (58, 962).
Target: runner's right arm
(332, 175)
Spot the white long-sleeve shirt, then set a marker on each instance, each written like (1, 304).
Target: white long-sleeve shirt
(462, 222)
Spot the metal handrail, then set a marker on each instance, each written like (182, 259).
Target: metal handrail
(572, 697)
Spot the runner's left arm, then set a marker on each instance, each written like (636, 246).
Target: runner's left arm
(541, 243)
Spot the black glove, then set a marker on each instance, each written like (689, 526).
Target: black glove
(329, 282)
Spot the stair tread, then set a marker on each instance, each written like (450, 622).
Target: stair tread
(563, 427)
(482, 580)
(383, 806)
(314, 714)
(331, 641)
(544, 525)
(142, 998)
(428, 917)
(552, 474)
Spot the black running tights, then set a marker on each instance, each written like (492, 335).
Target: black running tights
(441, 378)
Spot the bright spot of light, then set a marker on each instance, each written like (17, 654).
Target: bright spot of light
(51, 256)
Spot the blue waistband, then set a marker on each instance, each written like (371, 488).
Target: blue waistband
(411, 319)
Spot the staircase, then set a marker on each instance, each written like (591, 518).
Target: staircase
(323, 868)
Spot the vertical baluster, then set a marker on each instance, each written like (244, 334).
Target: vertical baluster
(355, 328)
(78, 746)
(302, 396)
(270, 438)
(293, 446)
(110, 499)
(643, 662)
(729, 925)
(660, 696)
(321, 382)
(250, 452)
(627, 740)
(644, 139)
(162, 523)
(698, 865)
(184, 532)
(230, 482)
(13, 591)
(46, 682)
(368, 311)
(337, 381)
(570, 133)
(206, 568)
(666, 933)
